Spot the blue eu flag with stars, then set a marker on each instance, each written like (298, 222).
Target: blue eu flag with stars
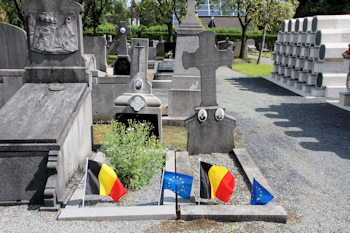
(178, 183)
(260, 196)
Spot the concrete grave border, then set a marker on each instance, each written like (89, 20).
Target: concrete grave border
(272, 212)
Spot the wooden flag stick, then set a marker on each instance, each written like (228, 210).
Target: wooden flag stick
(86, 167)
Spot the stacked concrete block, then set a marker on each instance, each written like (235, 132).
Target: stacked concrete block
(308, 54)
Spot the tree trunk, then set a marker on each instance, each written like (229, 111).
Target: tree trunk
(170, 31)
(244, 39)
(262, 44)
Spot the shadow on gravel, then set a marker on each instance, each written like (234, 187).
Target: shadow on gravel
(328, 124)
(259, 85)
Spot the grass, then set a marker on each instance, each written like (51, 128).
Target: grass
(172, 135)
(176, 136)
(263, 54)
(111, 58)
(253, 70)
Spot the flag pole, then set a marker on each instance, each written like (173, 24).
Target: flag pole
(199, 193)
(86, 167)
(161, 187)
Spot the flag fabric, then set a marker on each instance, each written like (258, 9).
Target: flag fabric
(102, 180)
(178, 183)
(260, 196)
(216, 181)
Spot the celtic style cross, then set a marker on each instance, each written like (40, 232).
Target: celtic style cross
(207, 59)
(123, 30)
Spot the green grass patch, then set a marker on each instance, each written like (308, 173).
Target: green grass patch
(245, 60)
(111, 58)
(253, 70)
(176, 136)
(263, 54)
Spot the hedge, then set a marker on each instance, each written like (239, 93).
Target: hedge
(155, 33)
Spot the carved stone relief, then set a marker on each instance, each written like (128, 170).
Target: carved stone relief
(137, 104)
(53, 35)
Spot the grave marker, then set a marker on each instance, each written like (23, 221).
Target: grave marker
(121, 66)
(209, 130)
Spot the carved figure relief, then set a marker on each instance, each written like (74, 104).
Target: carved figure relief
(202, 115)
(219, 114)
(48, 34)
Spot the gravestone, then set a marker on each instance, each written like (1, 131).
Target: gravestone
(13, 47)
(138, 102)
(13, 50)
(121, 66)
(45, 138)
(182, 99)
(225, 44)
(209, 129)
(97, 45)
(55, 42)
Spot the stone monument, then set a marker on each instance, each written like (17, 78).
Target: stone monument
(121, 66)
(209, 129)
(138, 102)
(55, 42)
(183, 98)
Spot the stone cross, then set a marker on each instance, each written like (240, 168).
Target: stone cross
(123, 30)
(190, 18)
(207, 59)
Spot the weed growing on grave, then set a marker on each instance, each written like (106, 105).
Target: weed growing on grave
(135, 154)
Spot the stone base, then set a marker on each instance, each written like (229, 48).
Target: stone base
(162, 86)
(151, 110)
(45, 139)
(11, 81)
(317, 92)
(297, 85)
(58, 74)
(210, 136)
(344, 98)
(306, 88)
(183, 101)
(163, 76)
(284, 79)
(333, 92)
(290, 82)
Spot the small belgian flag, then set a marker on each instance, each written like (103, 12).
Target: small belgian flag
(102, 180)
(216, 181)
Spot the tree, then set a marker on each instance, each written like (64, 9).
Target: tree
(160, 12)
(322, 7)
(245, 10)
(270, 13)
(12, 12)
(94, 9)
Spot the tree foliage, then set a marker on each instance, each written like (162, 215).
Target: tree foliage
(160, 12)
(322, 7)
(270, 14)
(12, 12)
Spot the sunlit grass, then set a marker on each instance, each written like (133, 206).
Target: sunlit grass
(111, 58)
(263, 54)
(253, 70)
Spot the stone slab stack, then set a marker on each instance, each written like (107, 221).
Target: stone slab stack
(308, 54)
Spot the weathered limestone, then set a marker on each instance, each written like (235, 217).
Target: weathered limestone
(55, 40)
(13, 47)
(43, 145)
(97, 45)
(138, 102)
(209, 130)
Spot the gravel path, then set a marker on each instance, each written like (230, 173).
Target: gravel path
(301, 146)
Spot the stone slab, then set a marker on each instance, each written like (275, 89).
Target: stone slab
(183, 166)
(97, 45)
(42, 105)
(132, 213)
(234, 213)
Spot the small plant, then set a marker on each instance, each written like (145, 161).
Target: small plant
(347, 52)
(135, 154)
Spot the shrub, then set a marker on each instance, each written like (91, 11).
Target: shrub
(135, 154)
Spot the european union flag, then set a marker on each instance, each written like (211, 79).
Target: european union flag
(260, 196)
(178, 183)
